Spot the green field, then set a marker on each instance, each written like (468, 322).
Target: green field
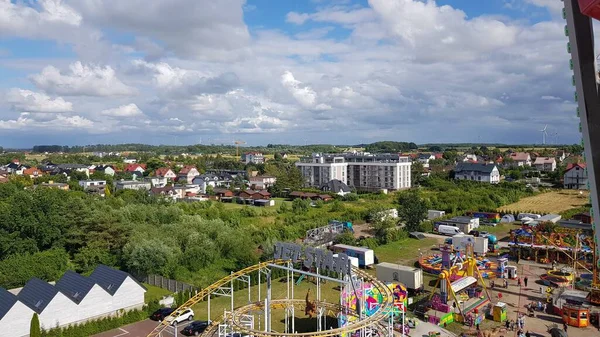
(154, 293)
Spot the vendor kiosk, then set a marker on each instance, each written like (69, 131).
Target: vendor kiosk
(576, 315)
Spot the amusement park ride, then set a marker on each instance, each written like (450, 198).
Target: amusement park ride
(367, 307)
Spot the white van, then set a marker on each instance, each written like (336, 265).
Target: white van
(448, 230)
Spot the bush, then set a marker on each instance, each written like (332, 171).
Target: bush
(351, 197)
(98, 326)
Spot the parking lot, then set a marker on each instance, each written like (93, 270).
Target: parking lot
(141, 329)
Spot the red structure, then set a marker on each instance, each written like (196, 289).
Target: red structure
(590, 8)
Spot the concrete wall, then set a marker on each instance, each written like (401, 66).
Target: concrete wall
(60, 311)
(129, 296)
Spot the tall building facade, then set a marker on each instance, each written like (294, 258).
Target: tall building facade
(363, 171)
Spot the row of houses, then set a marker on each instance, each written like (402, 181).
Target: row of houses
(72, 299)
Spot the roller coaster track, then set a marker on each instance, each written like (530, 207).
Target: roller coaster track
(379, 316)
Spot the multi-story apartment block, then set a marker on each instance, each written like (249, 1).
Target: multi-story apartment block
(363, 171)
(253, 157)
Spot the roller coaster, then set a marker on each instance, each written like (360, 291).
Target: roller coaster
(241, 320)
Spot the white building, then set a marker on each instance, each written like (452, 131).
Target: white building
(130, 160)
(91, 299)
(362, 171)
(205, 180)
(262, 182)
(157, 181)
(127, 293)
(15, 316)
(576, 177)
(481, 172)
(546, 164)
(424, 158)
(107, 169)
(53, 307)
(253, 157)
(521, 158)
(92, 183)
(133, 185)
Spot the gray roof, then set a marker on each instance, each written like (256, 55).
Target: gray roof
(110, 279)
(7, 300)
(71, 166)
(477, 167)
(74, 286)
(37, 294)
(335, 186)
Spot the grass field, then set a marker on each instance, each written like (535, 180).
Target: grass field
(405, 251)
(549, 202)
(154, 293)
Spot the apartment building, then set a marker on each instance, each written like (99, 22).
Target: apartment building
(363, 171)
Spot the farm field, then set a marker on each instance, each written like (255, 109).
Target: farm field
(549, 202)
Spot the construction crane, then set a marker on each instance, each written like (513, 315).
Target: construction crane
(237, 146)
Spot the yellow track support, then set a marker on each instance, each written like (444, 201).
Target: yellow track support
(371, 321)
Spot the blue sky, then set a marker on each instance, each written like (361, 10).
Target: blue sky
(302, 71)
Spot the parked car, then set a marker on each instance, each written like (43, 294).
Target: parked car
(195, 328)
(484, 234)
(186, 315)
(161, 313)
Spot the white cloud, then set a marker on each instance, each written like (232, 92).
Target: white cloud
(304, 94)
(60, 123)
(29, 101)
(129, 110)
(22, 20)
(82, 80)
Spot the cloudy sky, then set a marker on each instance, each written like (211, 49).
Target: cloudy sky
(270, 71)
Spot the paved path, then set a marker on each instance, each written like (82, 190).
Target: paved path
(140, 329)
(501, 244)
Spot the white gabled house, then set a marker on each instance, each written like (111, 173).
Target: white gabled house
(91, 299)
(126, 292)
(576, 177)
(481, 172)
(53, 307)
(15, 316)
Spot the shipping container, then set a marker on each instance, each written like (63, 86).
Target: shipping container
(411, 277)
(366, 256)
(433, 214)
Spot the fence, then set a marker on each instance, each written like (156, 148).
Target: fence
(165, 283)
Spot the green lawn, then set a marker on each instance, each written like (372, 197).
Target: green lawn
(405, 251)
(154, 293)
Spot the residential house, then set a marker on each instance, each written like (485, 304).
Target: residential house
(253, 158)
(165, 172)
(187, 174)
(157, 181)
(206, 180)
(127, 293)
(337, 187)
(129, 160)
(92, 183)
(32, 172)
(13, 166)
(424, 158)
(262, 182)
(576, 177)
(521, 158)
(167, 192)
(251, 194)
(561, 155)
(545, 164)
(53, 307)
(15, 317)
(223, 193)
(481, 172)
(132, 185)
(133, 168)
(68, 168)
(469, 157)
(106, 169)
(283, 155)
(52, 184)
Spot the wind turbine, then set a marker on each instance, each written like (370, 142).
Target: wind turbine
(544, 134)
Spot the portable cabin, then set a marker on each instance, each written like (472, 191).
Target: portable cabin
(366, 256)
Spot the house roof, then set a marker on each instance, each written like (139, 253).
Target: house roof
(74, 286)
(37, 294)
(134, 167)
(425, 155)
(162, 190)
(544, 160)
(218, 190)
(520, 156)
(71, 166)
(161, 172)
(335, 186)
(7, 300)
(477, 167)
(186, 169)
(571, 166)
(110, 279)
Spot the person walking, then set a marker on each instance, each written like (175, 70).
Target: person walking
(525, 281)
(507, 324)
(527, 334)
(518, 281)
(565, 327)
(541, 290)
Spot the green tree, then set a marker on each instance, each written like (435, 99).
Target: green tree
(412, 209)
(210, 190)
(300, 206)
(34, 326)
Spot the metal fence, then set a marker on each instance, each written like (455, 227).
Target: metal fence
(165, 283)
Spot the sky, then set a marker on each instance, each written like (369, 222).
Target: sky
(77, 72)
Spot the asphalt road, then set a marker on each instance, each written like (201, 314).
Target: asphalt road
(142, 329)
